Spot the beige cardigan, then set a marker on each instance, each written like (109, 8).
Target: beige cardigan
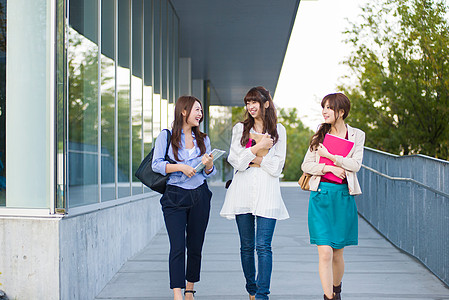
(351, 163)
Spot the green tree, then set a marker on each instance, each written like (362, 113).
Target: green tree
(298, 137)
(401, 65)
(238, 114)
(220, 129)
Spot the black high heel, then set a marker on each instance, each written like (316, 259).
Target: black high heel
(337, 292)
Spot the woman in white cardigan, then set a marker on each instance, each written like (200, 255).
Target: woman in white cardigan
(332, 215)
(257, 153)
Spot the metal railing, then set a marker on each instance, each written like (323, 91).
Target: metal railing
(406, 198)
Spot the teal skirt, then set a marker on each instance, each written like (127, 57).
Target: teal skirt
(333, 216)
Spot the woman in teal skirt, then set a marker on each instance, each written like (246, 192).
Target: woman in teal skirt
(332, 209)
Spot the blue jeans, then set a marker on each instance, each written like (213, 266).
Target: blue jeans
(258, 232)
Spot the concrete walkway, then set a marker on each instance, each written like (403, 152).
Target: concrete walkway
(374, 270)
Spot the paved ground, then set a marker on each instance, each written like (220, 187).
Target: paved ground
(374, 270)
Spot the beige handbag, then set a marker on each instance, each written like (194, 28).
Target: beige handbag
(304, 181)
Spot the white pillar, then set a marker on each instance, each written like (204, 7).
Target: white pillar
(30, 101)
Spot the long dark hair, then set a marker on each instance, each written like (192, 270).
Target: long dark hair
(337, 102)
(185, 103)
(261, 95)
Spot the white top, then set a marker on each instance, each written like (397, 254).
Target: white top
(192, 152)
(255, 190)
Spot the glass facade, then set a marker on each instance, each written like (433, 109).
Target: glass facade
(116, 87)
(2, 102)
(108, 88)
(83, 90)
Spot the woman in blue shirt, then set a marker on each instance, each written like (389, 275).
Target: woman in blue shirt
(186, 201)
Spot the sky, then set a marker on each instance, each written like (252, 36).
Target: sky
(312, 64)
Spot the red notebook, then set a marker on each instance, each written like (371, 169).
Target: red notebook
(337, 146)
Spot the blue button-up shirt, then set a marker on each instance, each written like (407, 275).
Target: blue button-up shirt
(178, 178)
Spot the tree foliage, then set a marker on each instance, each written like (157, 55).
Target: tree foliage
(401, 65)
(298, 137)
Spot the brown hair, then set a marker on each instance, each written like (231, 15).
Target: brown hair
(337, 102)
(185, 103)
(261, 95)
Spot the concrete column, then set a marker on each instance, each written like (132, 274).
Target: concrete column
(185, 76)
(30, 160)
(29, 258)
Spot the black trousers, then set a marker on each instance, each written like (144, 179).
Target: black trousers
(186, 214)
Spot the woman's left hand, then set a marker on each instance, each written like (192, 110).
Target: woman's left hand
(208, 161)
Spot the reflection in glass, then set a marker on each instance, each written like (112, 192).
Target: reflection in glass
(107, 101)
(171, 114)
(61, 109)
(147, 123)
(156, 115)
(123, 91)
(176, 58)
(133, 112)
(164, 113)
(136, 106)
(136, 93)
(157, 46)
(82, 58)
(147, 79)
(164, 54)
(2, 103)
(147, 119)
(170, 59)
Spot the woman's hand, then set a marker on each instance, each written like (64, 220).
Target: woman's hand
(208, 161)
(257, 160)
(337, 171)
(187, 170)
(323, 152)
(266, 142)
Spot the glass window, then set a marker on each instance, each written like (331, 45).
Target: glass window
(3, 103)
(138, 62)
(107, 100)
(61, 96)
(148, 78)
(157, 67)
(123, 89)
(176, 58)
(164, 65)
(82, 58)
(171, 56)
(164, 48)
(136, 93)
(164, 114)
(157, 46)
(156, 115)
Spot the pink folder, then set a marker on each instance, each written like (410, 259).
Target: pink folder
(337, 146)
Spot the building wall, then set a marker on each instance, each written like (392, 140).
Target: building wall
(29, 260)
(95, 82)
(73, 257)
(94, 246)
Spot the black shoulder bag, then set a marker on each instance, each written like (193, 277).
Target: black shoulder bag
(155, 181)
